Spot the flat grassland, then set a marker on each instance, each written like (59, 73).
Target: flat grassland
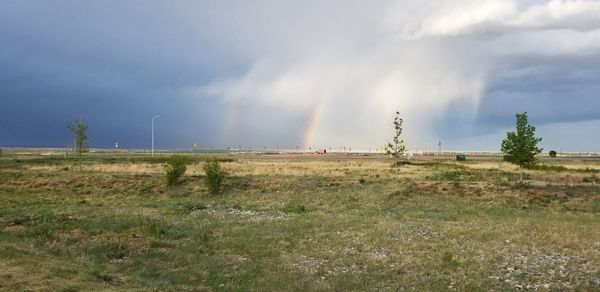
(298, 222)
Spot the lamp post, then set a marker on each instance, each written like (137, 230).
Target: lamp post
(153, 134)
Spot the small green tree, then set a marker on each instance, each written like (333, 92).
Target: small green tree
(175, 168)
(214, 175)
(79, 130)
(397, 147)
(521, 147)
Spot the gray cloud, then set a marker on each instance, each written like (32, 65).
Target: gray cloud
(319, 74)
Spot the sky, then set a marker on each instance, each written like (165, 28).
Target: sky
(307, 74)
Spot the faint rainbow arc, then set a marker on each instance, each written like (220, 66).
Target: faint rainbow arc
(313, 121)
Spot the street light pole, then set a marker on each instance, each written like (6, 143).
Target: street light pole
(153, 134)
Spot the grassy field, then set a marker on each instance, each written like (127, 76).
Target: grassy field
(298, 222)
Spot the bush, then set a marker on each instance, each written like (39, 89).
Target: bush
(214, 175)
(590, 179)
(174, 169)
(294, 208)
(400, 163)
(552, 153)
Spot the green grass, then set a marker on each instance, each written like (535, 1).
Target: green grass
(355, 224)
(560, 168)
(547, 167)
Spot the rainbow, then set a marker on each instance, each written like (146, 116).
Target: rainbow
(231, 122)
(311, 126)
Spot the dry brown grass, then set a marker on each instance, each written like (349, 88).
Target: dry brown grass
(327, 222)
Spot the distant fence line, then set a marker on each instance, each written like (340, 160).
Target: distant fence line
(497, 153)
(57, 151)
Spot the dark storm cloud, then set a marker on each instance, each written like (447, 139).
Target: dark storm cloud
(551, 88)
(114, 66)
(229, 73)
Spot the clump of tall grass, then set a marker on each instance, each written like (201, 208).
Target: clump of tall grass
(291, 208)
(546, 167)
(175, 168)
(214, 175)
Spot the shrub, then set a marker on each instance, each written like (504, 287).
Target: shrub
(400, 163)
(294, 208)
(214, 175)
(552, 153)
(590, 179)
(449, 261)
(174, 169)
